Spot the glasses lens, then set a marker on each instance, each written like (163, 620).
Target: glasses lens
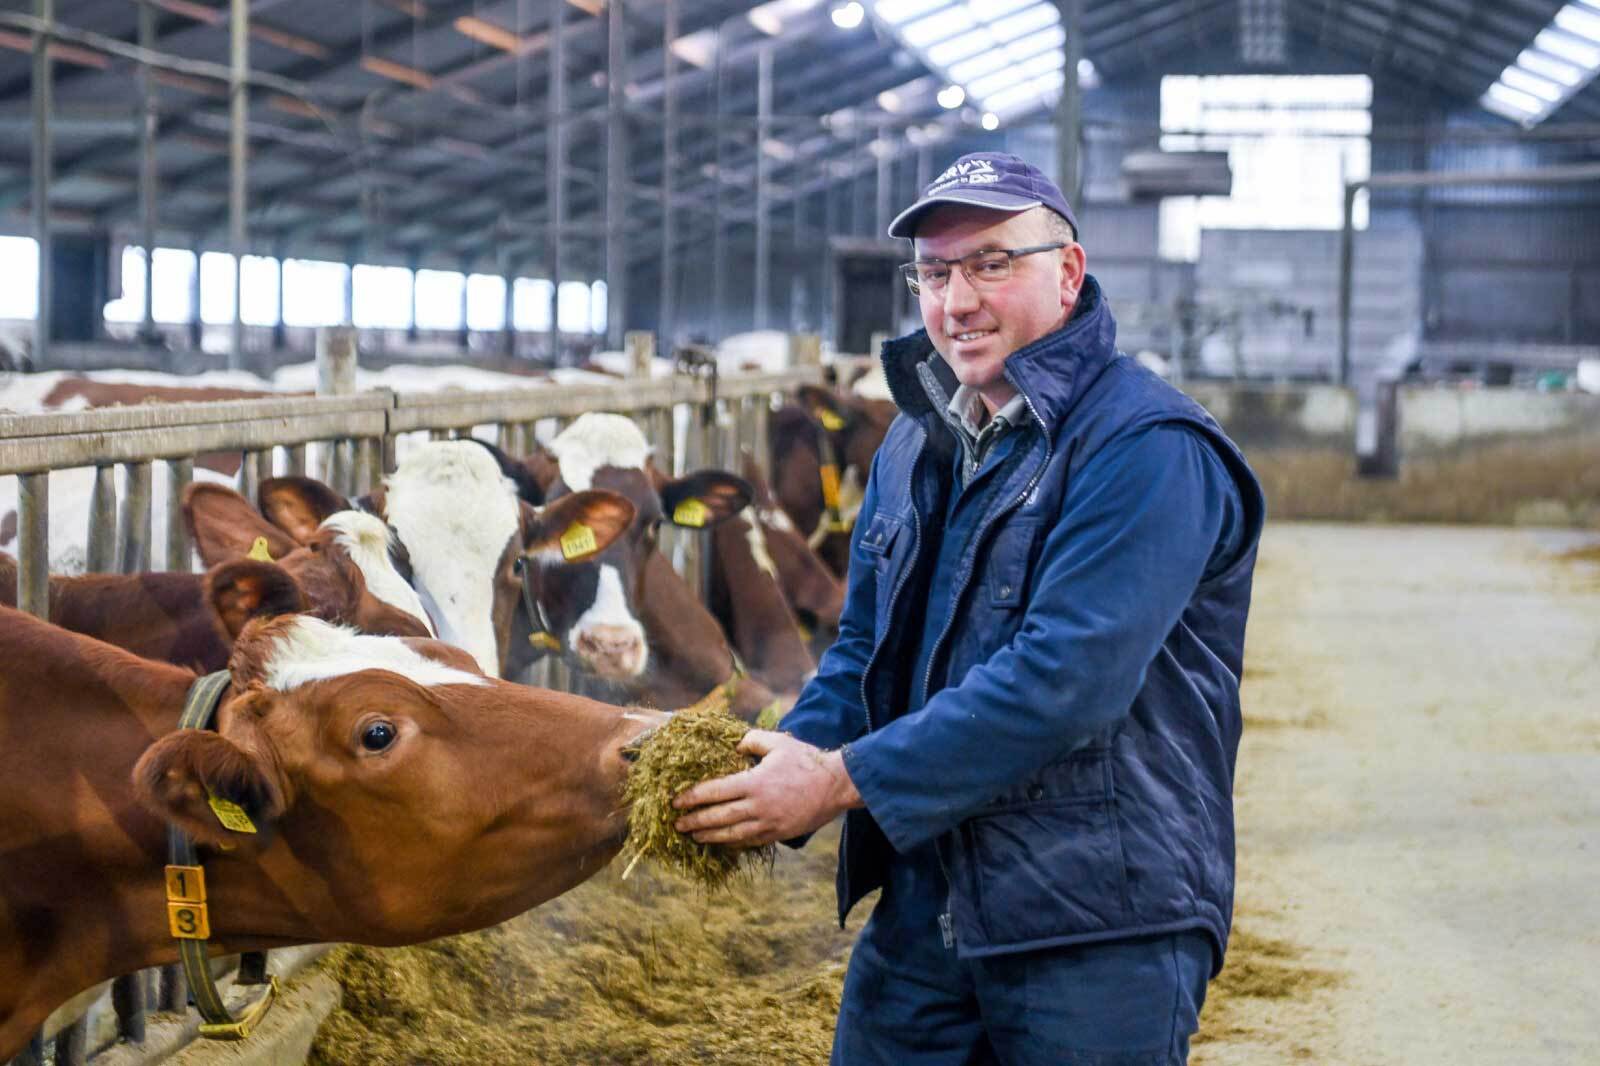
(932, 276)
(909, 272)
(988, 268)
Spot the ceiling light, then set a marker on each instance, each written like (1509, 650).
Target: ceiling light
(991, 121)
(848, 16)
(952, 97)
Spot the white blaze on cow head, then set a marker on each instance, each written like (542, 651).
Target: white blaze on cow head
(397, 793)
(372, 547)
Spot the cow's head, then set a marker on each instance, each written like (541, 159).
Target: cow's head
(461, 536)
(606, 613)
(397, 793)
(853, 428)
(813, 590)
(341, 570)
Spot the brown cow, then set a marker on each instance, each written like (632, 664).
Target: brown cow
(628, 618)
(399, 796)
(815, 594)
(854, 427)
(192, 619)
(463, 532)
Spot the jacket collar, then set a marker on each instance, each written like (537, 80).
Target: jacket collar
(1052, 373)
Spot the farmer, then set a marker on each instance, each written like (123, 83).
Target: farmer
(1032, 710)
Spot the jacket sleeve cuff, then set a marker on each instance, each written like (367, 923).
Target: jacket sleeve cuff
(880, 797)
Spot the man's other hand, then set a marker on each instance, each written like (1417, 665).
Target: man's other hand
(795, 789)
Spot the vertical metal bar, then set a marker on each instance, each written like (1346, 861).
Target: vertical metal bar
(249, 476)
(719, 239)
(389, 459)
(369, 464)
(666, 327)
(180, 473)
(763, 178)
(72, 1043)
(43, 161)
(127, 999)
(508, 333)
(238, 163)
(884, 188)
(103, 521)
(924, 167)
(33, 544)
(760, 434)
(174, 989)
(295, 460)
(280, 332)
(556, 167)
(617, 133)
(149, 117)
(466, 329)
(133, 524)
(196, 328)
(1347, 257)
(1069, 108)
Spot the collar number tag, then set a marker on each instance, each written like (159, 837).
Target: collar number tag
(230, 814)
(691, 513)
(830, 421)
(578, 541)
(259, 551)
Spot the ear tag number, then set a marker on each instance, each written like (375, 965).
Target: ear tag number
(230, 814)
(691, 513)
(578, 541)
(259, 552)
(830, 421)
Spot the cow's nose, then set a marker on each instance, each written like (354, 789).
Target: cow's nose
(611, 651)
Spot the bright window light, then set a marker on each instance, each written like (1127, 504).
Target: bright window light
(1564, 57)
(313, 291)
(1549, 66)
(1515, 98)
(531, 305)
(995, 83)
(129, 307)
(979, 65)
(486, 302)
(847, 16)
(439, 295)
(938, 26)
(1567, 47)
(1532, 84)
(573, 309)
(598, 308)
(902, 10)
(946, 52)
(382, 297)
(991, 121)
(216, 290)
(174, 285)
(19, 265)
(1290, 150)
(1579, 20)
(1025, 21)
(951, 97)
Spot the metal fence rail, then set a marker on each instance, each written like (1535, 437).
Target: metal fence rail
(357, 435)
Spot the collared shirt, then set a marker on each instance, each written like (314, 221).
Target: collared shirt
(966, 415)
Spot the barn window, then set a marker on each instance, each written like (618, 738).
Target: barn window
(573, 307)
(597, 307)
(216, 289)
(532, 304)
(1292, 143)
(19, 265)
(439, 299)
(313, 292)
(382, 297)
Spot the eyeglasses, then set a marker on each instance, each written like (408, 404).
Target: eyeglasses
(984, 269)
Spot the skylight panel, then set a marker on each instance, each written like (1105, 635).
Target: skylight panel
(946, 52)
(986, 87)
(938, 26)
(983, 63)
(905, 10)
(1563, 58)
(1026, 94)
(1026, 21)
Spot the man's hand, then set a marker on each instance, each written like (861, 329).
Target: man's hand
(794, 789)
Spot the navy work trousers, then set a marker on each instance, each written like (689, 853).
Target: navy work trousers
(909, 1001)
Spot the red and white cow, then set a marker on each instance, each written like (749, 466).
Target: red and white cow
(398, 796)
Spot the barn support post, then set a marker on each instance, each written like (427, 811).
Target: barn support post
(149, 119)
(883, 188)
(617, 133)
(249, 476)
(196, 327)
(1069, 108)
(133, 520)
(719, 240)
(464, 338)
(33, 543)
(1347, 253)
(103, 521)
(180, 473)
(43, 159)
(665, 327)
(336, 376)
(238, 165)
(763, 308)
(555, 175)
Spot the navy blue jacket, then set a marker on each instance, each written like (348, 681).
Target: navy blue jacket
(1074, 760)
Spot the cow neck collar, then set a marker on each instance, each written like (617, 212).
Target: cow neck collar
(833, 520)
(542, 636)
(186, 892)
(722, 697)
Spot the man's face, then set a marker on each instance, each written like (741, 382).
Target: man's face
(975, 329)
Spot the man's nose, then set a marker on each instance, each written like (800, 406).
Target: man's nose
(960, 297)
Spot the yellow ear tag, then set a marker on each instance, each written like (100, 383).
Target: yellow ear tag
(691, 513)
(230, 814)
(547, 641)
(769, 716)
(830, 421)
(830, 485)
(578, 541)
(259, 552)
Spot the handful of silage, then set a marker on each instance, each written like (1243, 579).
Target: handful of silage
(694, 745)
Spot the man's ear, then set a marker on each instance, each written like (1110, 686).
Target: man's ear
(222, 525)
(298, 505)
(1073, 265)
(181, 775)
(704, 498)
(577, 526)
(826, 407)
(242, 589)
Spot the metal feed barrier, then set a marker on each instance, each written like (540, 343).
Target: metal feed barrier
(355, 438)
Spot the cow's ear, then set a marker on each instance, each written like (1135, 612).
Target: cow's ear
(374, 503)
(542, 468)
(210, 787)
(577, 526)
(705, 498)
(223, 526)
(243, 589)
(826, 407)
(298, 505)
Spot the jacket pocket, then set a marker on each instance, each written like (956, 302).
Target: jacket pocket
(1048, 870)
(1010, 557)
(881, 544)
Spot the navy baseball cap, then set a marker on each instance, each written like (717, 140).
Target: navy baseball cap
(994, 180)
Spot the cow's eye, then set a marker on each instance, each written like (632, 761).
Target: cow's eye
(377, 736)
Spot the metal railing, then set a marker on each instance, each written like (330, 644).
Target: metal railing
(356, 438)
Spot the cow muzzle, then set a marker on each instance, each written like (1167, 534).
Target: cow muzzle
(614, 652)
